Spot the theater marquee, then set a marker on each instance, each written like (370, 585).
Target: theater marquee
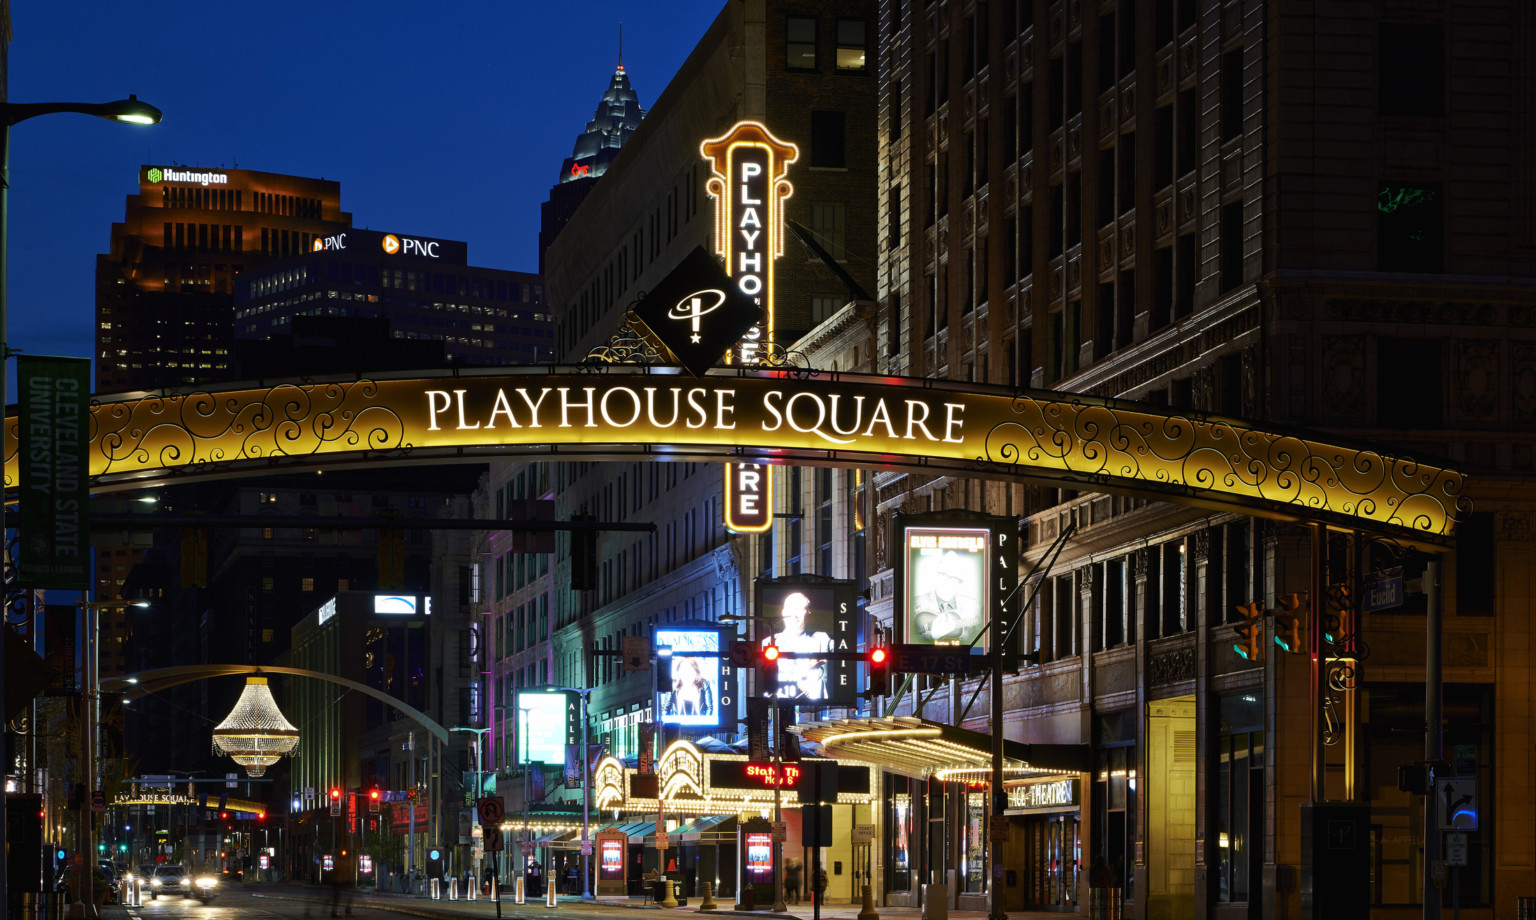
(768, 416)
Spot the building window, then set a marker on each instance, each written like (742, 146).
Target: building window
(823, 307)
(1239, 797)
(800, 49)
(850, 44)
(827, 223)
(1114, 799)
(307, 583)
(1410, 69)
(827, 145)
(1410, 228)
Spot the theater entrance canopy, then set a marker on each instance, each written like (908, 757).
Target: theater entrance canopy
(774, 416)
(928, 750)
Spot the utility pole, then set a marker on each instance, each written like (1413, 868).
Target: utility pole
(410, 846)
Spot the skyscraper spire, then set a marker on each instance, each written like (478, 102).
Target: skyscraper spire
(616, 118)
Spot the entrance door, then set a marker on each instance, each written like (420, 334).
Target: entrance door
(1052, 861)
(1170, 791)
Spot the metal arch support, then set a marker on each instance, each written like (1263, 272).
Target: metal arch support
(142, 684)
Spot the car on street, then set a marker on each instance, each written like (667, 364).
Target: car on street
(170, 881)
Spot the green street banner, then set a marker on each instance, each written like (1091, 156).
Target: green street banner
(54, 497)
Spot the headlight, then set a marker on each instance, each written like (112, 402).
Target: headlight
(207, 882)
(157, 882)
(186, 882)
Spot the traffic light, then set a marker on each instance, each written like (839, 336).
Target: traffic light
(1250, 632)
(373, 800)
(101, 848)
(583, 556)
(410, 794)
(335, 803)
(768, 670)
(1336, 621)
(879, 659)
(1288, 624)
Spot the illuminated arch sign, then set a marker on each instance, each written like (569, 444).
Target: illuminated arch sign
(939, 427)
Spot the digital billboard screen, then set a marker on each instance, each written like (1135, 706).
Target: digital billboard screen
(805, 619)
(759, 857)
(945, 598)
(611, 859)
(542, 736)
(698, 688)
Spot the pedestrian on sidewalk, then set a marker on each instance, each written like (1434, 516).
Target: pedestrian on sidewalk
(792, 881)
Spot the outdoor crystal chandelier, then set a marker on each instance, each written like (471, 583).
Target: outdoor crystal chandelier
(255, 733)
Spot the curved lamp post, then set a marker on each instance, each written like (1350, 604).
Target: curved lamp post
(129, 111)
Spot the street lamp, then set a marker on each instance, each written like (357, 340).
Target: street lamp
(480, 734)
(131, 111)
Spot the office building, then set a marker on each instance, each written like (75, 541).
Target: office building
(423, 287)
(1310, 217)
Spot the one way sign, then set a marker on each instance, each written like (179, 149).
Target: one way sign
(1456, 803)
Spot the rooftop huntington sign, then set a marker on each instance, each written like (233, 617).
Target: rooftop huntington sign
(749, 182)
(759, 415)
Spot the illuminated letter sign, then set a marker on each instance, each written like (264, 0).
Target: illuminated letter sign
(330, 243)
(749, 167)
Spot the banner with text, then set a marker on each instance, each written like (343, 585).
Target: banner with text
(55, 438)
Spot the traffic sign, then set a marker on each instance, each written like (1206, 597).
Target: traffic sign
(98, 801)
(1384, 589)
(586, 848)
(780, 832)
(1455, 803)
(662, 842)
(1456, 849)
(998, 831)
(957, 660)
(491, 810)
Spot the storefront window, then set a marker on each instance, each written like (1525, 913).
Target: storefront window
(1114, 800)
(899, 834)
(973, 845)
(1239, 796)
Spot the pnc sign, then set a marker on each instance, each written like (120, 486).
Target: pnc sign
(409, 246)
(749, 169)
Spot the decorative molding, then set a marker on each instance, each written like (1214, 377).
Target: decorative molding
(1443, 313)
(1171, 667)
(1477, 379)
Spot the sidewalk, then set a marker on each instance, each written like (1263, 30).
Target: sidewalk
(415, 905)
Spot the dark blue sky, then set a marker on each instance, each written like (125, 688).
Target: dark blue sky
(445, 118)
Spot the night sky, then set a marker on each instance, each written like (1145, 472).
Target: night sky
(447, 119)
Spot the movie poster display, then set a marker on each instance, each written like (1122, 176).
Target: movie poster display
(759, 862)
(805, 617)
(701, 685)
(946, 598)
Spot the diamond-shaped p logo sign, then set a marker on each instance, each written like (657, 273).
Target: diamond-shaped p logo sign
(697, 312)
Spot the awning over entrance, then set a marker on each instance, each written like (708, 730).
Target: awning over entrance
(919, 748)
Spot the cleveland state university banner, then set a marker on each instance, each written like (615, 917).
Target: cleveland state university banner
(54, 496)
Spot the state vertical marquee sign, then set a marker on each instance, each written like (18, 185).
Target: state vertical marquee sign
(749, 169)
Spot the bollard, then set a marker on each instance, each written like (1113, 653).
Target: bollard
(867, 912)
(551, 899)
(517, 896)
(471, 890)
(671, 890)
(453, 889)
(707, 902)
(433, 891)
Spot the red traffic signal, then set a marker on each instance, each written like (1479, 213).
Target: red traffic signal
(878, 656)
(771, 654)
(768, 670)
(879, 661)
(335, 793)
(223, 816)
(373, 800)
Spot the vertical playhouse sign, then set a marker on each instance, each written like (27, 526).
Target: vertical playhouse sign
(53, 502)
(749, 183)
